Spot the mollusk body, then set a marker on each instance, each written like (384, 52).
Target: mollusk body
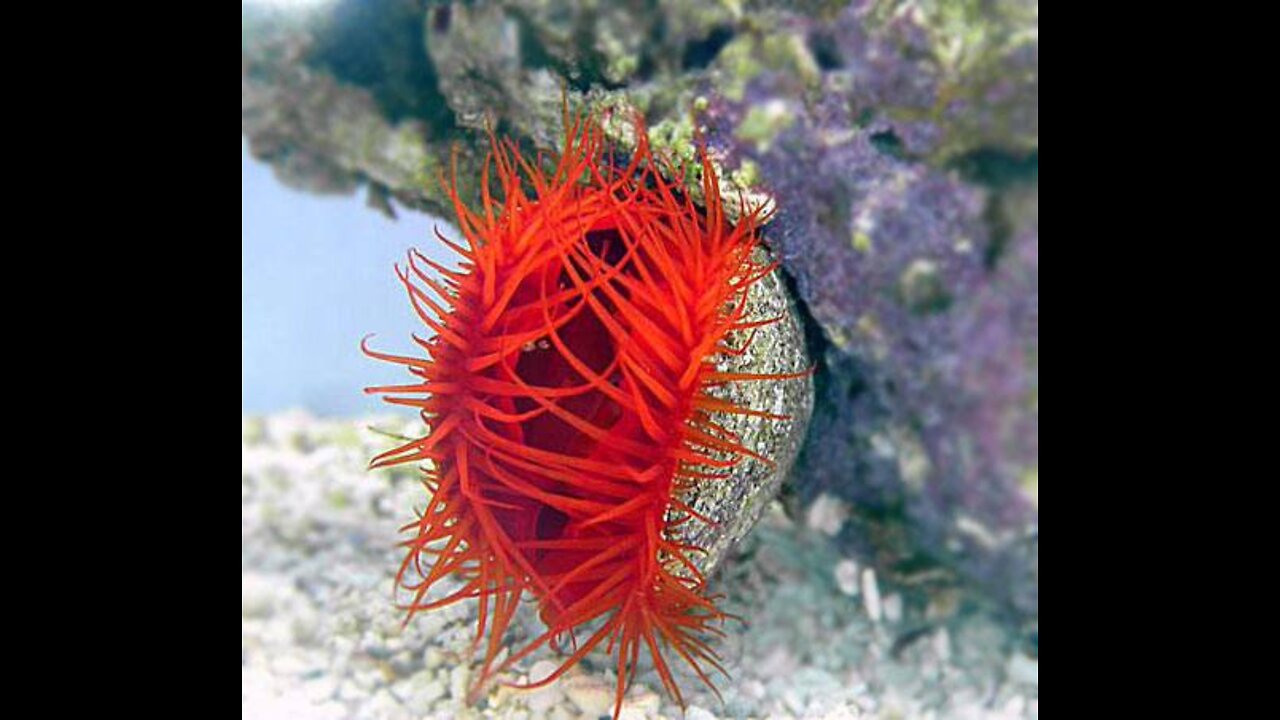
(576, 407)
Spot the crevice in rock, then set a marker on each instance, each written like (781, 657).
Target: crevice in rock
(699, 53)
(378, 45)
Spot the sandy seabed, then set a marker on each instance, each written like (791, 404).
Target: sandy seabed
(321, 636)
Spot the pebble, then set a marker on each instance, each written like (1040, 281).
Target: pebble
(252, 430)
(542, 670)
(458, 679)
(370, 679)
(942, 644)
(1015, 707)
(304, 625)
(778, 663)
(696, 713)
(793, 701)
(639, 704)
(871, 595)
(544, 698)
(319, 689)
(827, 514)
(1023, 669)
(257, 595)
(893, 608)
(590, 694)
(348, 691)
(846, 573)
(424, 689)
(291, 664)
(429, 624)
(384, 705)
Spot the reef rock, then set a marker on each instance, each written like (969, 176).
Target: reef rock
(898, 140)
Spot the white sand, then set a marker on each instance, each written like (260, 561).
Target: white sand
(321, 637)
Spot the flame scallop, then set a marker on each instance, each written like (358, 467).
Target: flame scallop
(579, 394)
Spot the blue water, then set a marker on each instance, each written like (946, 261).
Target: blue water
(316, 276)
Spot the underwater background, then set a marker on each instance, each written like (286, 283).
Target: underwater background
(897, 574)
(316, 277)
